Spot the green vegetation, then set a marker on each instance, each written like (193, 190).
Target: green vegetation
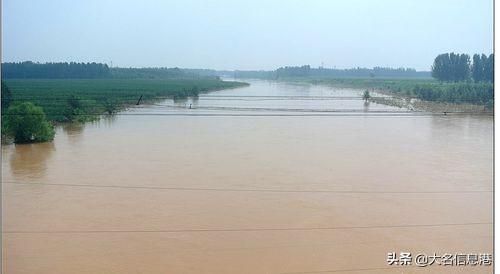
(308, 71)
(73, 70)
(366, 95)
(148, 73)
(454, 73)
(482, 68)
(6, 97)
(462, 92)
(429, 90)
(32, 70)
(27, 123)
(35, 93)
(66, 100)
(453, 67)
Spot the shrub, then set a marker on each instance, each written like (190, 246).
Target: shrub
(27, 123)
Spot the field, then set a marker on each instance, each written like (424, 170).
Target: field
(85, 99)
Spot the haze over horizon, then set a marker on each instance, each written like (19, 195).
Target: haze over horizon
(260, 34)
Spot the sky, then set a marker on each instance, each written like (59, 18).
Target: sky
(245, 35)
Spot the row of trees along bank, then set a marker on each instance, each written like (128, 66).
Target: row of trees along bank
(454, 67)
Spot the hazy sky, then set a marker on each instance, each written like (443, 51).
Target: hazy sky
(257, 34)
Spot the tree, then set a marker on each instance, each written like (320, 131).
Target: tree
(451, 67)
(366, 95)
(111, 106)
(74, 108)
(6, 97)
(302, 71)
(27, 123)
(477, 68)
(482, 68)
(62, 70)
(489, 67)
(462, 68)
(440, 68)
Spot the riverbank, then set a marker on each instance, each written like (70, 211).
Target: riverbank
(83, 100)
(420, 94)
(415, 104)
(69, 100)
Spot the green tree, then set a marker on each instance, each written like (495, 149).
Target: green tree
(462, 68)
(73, 109)
(6, 97)
(27, 123)
(477, 68)
(489, 67)
(366, 95)
(451, 67)
(111, 106)
(482, 68)
(440, 68)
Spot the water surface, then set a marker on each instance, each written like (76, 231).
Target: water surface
(216, 188)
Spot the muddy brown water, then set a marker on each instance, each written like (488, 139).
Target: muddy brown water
(255, 193)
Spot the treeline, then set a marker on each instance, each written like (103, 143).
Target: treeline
(321, 72)
(73, 70)
(378, 72)
(302, 71)
(452, 67)
(162, 73)
(424, 89)
(257, 74)
(483, 68)
(147, 73)
(458, 93)
(63, 70)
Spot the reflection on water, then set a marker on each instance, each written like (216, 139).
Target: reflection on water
(73, 129)
(30, 160)
(366, 106)
(180, 100)
(108, 120)
(360, 161)
(73, 132)
(195, 101)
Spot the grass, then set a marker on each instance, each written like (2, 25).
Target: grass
(66, 100)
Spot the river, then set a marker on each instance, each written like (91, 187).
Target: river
(269, 178)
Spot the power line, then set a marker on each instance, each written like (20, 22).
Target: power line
(241, 229)
(298, 114)
(312, 110)
(328, 244)
(156, 107)
(252, 190)
(93, 97)
(219, 98)
(211, 95)
(242, 98)
(282, 111)
(349, 270)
